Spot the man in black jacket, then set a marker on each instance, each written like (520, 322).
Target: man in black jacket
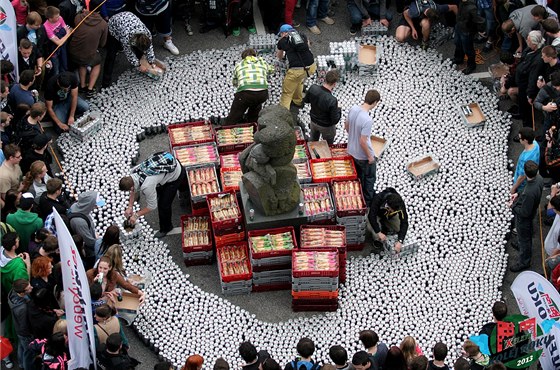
(113, 358)
(325, 112)
(465, 30)
(387, 215)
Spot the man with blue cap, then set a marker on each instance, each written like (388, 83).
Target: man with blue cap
(295, 48)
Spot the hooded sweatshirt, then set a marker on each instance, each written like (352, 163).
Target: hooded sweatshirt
(11, 269)
(86, 203)
(25, 223)
(86, 39)
(18, 305)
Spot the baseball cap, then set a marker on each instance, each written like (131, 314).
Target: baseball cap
(26, 201)
(100, 202)
(285, 28)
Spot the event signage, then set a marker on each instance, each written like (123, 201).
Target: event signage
(77, 300)
(8, 35)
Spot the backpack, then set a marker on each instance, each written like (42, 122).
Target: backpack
(305, 365)
(78, 215)
(159, 163)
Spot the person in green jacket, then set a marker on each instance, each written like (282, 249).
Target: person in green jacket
(24, 221)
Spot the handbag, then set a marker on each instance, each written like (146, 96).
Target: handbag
(5, 347)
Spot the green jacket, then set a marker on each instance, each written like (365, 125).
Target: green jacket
(251, 73)
(25, 223)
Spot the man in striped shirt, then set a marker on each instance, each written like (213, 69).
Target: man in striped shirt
(250, 78)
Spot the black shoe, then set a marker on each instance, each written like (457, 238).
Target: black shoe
(82, 90)
(355, 28)
(90, 94)
(161, 234)
(469, 70)
(487, 48)
(518, 268)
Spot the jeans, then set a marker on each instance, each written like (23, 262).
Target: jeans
(24, 354)
(316, 9)
(464, 44)
(162, 21)
(524, 240)
(317, 131)
(62, 109)
(366, 175)
(488, 14)
(374, 11)
(166, 194)
(247, 100)
(292, 86)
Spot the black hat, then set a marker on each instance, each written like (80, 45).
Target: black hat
(41, 140)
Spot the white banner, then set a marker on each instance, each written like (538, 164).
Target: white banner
(77, 300)
(8, 35)
(537, 297)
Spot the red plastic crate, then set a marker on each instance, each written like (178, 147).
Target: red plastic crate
(355, 247)
(272, 287)
(199, 262)
(195, 248)
(315, 294)
(340, 248)
(220, 241)
(349, 159)
(224, 164)
(194, 161)
(301, 160)
(315, 273)
(280, 230)
(234, 277)
(224, 170)
(336, 148)
(326, 222)
(224, 224)
(314, 307)
(185, 126)
(223, 148)
(300, 138)
(199, 209)
(349, 212)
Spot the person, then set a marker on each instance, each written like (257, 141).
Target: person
(52, 198)
(29, 57)
(549, 56)
(362, 11)
(193, 362)
(524, 208)
(440, 353)
(252, 358)
(339, 356)
(317, 9)
(325, 112)
(359, 125)
(126, 30)
(362, 361)
(62, 100)
(410, 349)
(10, 204)
(552, 31)
(55, 353)
(49, 248)
(29, 127)
(546, 99)
(38, 152)
(107, 324)
(305, 349)
(478, 360)
(388, 215)
(519, 24)
(21, 93)
(395, 359)
(57, 32)
(158, 14)
(461, 364)
(531, 152)
(110, 280)
(37, 241)
(82, 223)
(421, 14)
(4, 92)
(465, 29)
(84, 45)
(42, 277)
(110, 237)
(295, 47)
(157, 178)
(17, 300)
(113, 357)
(10, 172)
(499, 312)
(35, 180)
(24, 221)
(33, 31)
(250, 78)
(377, 350)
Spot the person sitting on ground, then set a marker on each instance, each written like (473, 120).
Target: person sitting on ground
(111, 237)
(305, 349)
(440, 353)
(363, 11)
(421, 14)
(388, 216)
(339, 356)
(24, 221)
(114, 253)
(110, 280)
(35, 180)
(62, 100)
(376, 349)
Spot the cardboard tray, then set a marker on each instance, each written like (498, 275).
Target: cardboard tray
(128, 307)
(423, 166)
(477, 118)
(379, 144)
(367, 54)
(319, 147)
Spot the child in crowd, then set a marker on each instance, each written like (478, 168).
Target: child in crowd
(57, 32)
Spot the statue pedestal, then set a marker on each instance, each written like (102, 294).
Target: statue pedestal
(261, 221)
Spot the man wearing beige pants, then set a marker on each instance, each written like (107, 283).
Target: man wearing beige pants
(295, 48)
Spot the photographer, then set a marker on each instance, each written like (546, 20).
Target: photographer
(547, 99)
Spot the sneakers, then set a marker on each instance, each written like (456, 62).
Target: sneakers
(236, 31)
(480, 38)
(314, 30)
(82, 90)
(424, 45)
(354, 29)
(327, 20)
(161, 234)
(488, 47)
(252, 30)
(188, 29)
(8, 363)
(90, 94)
(295, 24)
(170, 46)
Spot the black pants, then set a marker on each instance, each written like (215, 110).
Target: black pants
(250, 101)
(166, 194)
(112, 48)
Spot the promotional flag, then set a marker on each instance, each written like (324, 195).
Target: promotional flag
(8, 35)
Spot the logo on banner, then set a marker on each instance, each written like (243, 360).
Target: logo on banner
(517, 342)
(3, 17)
(548, 304)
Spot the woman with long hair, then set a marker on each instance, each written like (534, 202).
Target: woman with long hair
(41, 273)
(193, 362)
(112, 236)
(11, 202)
(35, 181)
(395, 360)
(110, 279)
(114, 253)
(410, 349)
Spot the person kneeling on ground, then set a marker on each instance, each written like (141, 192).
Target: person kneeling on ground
(387, 215)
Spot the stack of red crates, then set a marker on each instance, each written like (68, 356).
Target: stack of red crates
(306, 241)
(226, 218)
(351, 210)
(315, 280)
(196, 240)
(271, 258)
(230, 168)
(234, 268)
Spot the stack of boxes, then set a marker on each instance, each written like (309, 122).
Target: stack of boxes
(315, 280)
(327, 62)
(318, 206)
(226, 218)
(234, 268)
(374, 29)
(271, 258)
(326, 237)
(263, 43)
(196, 240)
(351, 212)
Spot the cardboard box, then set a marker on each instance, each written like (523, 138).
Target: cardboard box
(423, 166)
(319, 149)
(475, 118)
(128, 307)
(367, 54)
(379, 144)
